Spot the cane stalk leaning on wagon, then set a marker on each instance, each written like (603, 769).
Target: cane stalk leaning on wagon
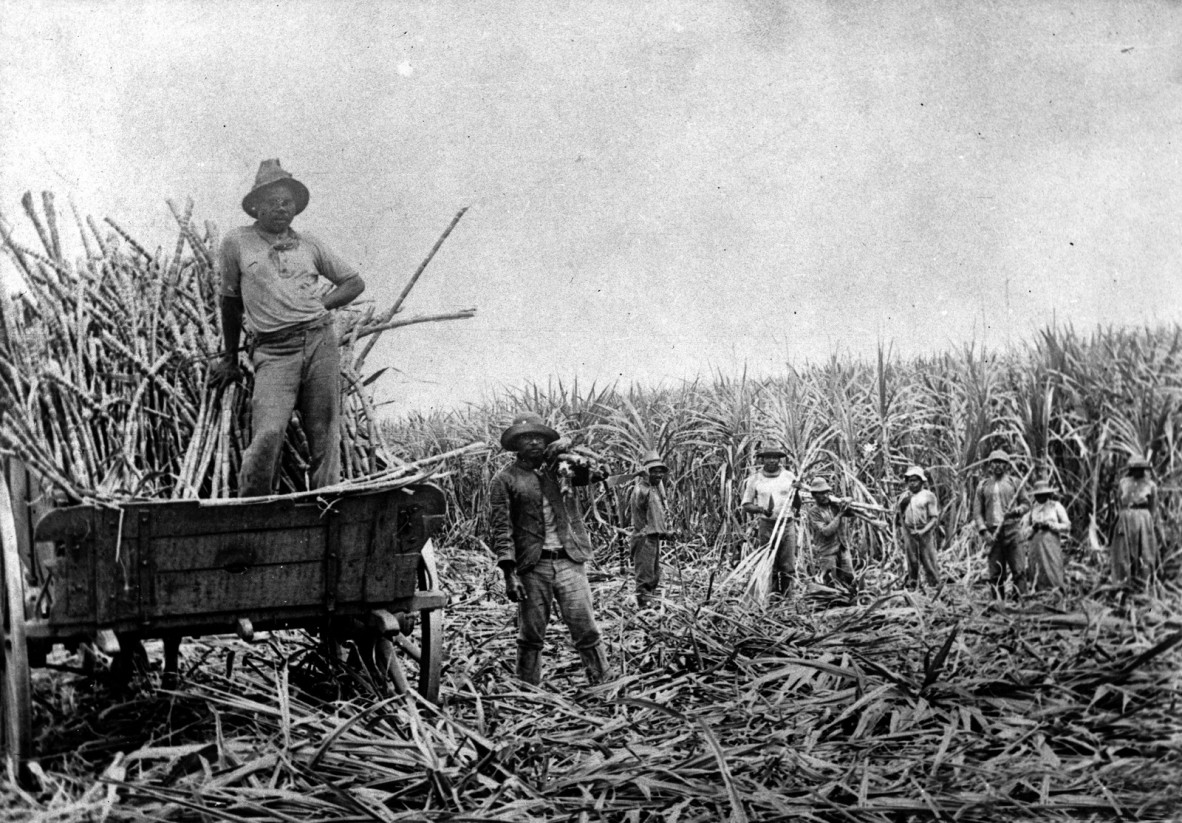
(773, 494)
(998, 505)
(275, 279)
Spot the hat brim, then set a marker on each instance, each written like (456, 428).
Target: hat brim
(510, 435)
(655, 464)
(301, 194)
(771, 453)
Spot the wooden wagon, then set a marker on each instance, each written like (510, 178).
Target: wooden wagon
(358, 565)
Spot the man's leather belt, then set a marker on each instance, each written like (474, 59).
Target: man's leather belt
(1138, 506)
(548, 554)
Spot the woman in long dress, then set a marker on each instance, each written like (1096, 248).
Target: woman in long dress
(1046, 523)
(1134, 541)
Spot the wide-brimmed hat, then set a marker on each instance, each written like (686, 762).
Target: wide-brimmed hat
(771, 451)
(998, 454)
(271, 173)
(1043, 487)
(820, 485)
(1139, 462)
(915, 471)
(652, 460)
(526, 423)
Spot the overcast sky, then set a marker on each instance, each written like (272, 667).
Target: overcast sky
(658, 190)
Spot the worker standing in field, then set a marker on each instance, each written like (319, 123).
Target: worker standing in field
(286, 285)
(773, 494)
(1133, 548)
(1046, 523)
(825, 519)
(541, 543)
(649, 527)
(918, 511)
(998, 506)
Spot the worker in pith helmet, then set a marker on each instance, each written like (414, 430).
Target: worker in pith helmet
(649, 526)
(998, 506)
(918, 512)
(825, 519)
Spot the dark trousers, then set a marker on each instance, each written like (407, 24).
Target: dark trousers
(646, 564)
(784, 565)
(1007, 558)
(564, 582)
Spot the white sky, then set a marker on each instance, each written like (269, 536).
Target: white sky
(657, 190)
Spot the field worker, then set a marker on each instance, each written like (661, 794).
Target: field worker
(1134, 540)
(773, 494)
(1046, 523)
(286, 285)
(542, 545)
(919, 512)
(998, 507)
(825, 518)
(647, 503)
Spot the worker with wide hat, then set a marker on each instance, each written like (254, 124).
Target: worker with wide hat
(1045, 524)
(542, 545)
(825, 519)
(998, 505)
(1134, 549)
(646, 502)
(772, 495)
(918, 514)
(282, 286)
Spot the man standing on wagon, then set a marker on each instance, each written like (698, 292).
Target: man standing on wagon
(286, 285)
(774, 495)
(998, 507)
(542, 546)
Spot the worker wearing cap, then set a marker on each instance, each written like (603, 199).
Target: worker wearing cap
(542, 546)
(649, 527)
(1133, 548)
(825, 519)
(918, 511)
(998, 507)
(284, 284)
(773, 494)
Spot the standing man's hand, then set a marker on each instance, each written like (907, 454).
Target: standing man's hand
(224, 372)
(514, 588)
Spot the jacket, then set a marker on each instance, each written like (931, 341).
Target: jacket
(518, 524)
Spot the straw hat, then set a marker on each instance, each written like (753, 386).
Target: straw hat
(526, 423)
(1043, 487)
(652, 460)
(820, 485)
(1139, 462)
(915, 471)
(998, 454)
(270, 173)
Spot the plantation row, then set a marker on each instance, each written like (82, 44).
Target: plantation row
(1070, 407)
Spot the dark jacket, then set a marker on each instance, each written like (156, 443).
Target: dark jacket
(518, 524)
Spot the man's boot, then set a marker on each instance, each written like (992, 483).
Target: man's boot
(529, 665)
(595, 661)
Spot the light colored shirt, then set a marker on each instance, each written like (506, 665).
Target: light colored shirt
(996, 497)
(1136, 492)
(922, 508)
(278, 279)
(779, 490)
(551, 541)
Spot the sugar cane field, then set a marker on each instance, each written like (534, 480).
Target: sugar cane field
(885, 704)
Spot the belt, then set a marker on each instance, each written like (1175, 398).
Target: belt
(549, 554)
(1138, 506)
(283, 334)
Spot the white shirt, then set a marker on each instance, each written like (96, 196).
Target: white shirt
(779, 490)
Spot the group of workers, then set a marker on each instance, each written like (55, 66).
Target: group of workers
(271, 284)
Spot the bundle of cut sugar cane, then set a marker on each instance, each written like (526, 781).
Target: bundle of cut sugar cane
(104, 360)
(756, 569)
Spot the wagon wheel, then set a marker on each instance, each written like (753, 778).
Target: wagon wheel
(412, 656)
(15, 705)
